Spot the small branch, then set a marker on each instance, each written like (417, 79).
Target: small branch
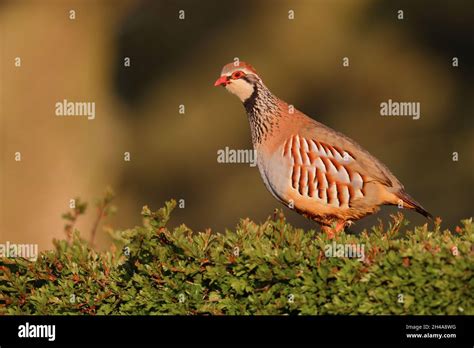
(104, 210)
(96, 224)
(72, 217)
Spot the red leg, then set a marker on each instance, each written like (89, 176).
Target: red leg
(332, 232)
(329, 231)
(340, 226)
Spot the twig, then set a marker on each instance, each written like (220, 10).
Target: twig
(97, 221)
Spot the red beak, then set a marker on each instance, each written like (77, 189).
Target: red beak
(221, 81)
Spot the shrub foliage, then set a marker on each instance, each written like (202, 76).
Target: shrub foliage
(269, 268)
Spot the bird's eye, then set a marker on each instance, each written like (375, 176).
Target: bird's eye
(237, 74)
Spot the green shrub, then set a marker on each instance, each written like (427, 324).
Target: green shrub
(269, 268)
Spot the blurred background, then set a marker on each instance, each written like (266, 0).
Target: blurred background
(175, 61)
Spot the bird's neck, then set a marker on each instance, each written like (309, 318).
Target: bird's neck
(263, 113)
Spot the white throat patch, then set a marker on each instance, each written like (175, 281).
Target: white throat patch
(240, 88)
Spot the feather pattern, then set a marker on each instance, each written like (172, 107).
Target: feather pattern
(322, 172)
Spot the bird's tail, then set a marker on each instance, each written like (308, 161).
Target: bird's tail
(412, 204)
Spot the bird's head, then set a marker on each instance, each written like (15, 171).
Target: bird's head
(239, 78)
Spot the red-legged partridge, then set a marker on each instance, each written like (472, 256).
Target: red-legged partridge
(308, 166)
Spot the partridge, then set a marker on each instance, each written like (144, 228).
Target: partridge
(309, 167)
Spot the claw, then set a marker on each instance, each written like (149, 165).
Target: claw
(336, 228)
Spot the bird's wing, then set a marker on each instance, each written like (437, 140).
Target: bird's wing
(363, 163)
(329, 173)
(323, 171)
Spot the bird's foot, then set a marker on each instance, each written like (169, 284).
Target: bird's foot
(332, 231)
(340, 226)
(329, 231)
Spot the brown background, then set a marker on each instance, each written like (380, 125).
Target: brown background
(176, 62)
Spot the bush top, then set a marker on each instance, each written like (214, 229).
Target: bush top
(268, 268)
